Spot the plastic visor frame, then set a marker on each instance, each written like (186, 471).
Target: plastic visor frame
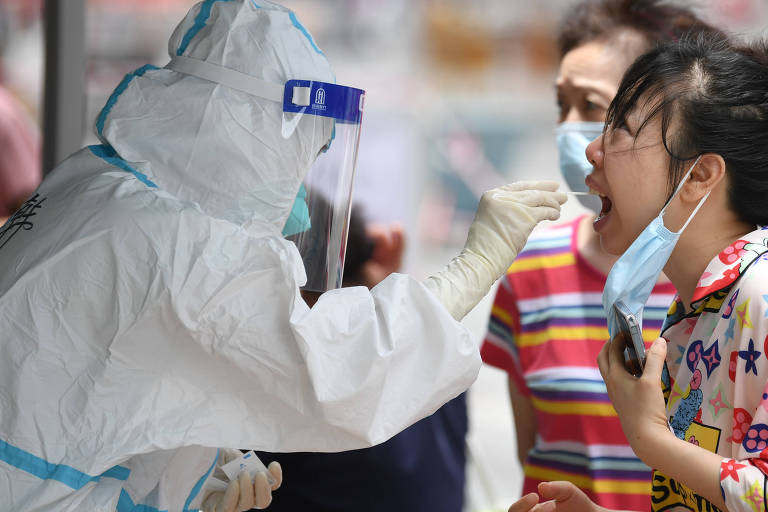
(328, 184)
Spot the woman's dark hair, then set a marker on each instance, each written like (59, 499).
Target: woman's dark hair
(657, 21)
(711, 97)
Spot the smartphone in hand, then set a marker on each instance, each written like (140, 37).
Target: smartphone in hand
(632, 337)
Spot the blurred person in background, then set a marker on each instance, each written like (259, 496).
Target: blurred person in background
(421, 468)
(20, 171)
(150, 303)
(547, 324)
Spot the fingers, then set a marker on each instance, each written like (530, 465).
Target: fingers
(602, 360)
(525, 503)
(228, 501)
(558, 491)
(616, 350)
(532, 185)
(548, 199)
(227, 455)
(654, 362)
(543, 204)
(611, 356)
(246, 491)
(262, 491)
(242, 494)
(546, 213)
(561, 197)
(211, 501)
(530, 198)
(277, 474)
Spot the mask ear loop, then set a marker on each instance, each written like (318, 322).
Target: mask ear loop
(680, 186)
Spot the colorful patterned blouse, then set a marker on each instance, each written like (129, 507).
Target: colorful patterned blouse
(717, 357)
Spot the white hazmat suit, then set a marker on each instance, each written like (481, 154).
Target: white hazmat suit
(150, 309)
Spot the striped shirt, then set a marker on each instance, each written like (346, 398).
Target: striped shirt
(547, 326)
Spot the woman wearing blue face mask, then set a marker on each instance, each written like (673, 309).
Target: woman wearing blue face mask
(683, 172)
(547, 324)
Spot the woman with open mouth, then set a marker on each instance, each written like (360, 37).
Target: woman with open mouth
(682, 172)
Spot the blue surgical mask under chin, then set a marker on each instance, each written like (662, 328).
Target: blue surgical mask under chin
(572, 141)
(634, 274)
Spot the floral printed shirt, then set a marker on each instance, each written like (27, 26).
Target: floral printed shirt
(716, 395)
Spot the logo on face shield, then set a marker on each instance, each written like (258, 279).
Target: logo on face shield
(320, 96)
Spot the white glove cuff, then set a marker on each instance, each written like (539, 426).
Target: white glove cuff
(462, 283)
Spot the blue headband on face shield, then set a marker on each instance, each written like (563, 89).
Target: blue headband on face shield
(572, 141)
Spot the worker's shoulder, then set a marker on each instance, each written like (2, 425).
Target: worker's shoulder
(85, 187)
(95, 170)
(85, 196)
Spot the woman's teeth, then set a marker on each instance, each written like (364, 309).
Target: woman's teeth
(607, 204)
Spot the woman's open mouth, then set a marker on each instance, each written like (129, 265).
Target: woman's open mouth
(607, 204)
(604, 211)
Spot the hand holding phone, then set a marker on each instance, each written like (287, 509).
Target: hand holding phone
(631, 335)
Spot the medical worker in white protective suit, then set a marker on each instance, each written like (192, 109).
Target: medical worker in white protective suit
(150, 305)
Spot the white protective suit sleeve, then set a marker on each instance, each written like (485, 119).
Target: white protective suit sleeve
(158, 328)
(504, 219)
(226, 364)
(352, 371)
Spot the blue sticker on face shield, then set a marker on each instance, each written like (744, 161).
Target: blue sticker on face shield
(344, 104)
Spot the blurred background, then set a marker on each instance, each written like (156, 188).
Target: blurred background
(460, 99)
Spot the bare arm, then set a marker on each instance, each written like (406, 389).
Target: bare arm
(640, 406)
(698, 468)
(525, 421)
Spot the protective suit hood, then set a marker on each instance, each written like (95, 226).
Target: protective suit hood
(208, 130)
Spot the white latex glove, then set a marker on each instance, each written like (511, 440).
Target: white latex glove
(243, 493)
(504, 219)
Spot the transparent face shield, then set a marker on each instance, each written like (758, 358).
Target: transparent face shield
(320, 216)
(325, 118)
